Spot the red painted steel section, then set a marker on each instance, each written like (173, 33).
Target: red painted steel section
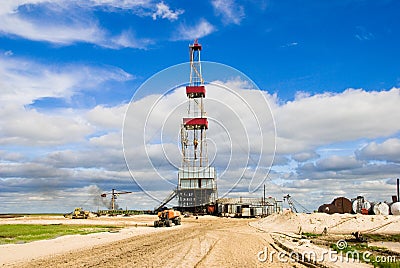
(195, 91)
(196, 46)
(196, 123)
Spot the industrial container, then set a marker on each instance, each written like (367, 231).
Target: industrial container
(246, 212)
(258, 211)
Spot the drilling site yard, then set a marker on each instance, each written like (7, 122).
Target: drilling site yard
(204, 242)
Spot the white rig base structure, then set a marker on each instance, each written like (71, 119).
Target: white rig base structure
(197, 188)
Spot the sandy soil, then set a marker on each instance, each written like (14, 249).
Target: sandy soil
(15, 253)
(334, 224)
(203, 242)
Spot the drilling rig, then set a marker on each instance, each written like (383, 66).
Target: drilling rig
(197, 188)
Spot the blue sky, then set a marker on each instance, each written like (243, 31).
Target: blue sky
(68, 70)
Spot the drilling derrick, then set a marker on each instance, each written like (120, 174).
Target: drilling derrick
(196, 179)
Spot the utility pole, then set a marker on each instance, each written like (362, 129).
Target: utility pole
(264, 208)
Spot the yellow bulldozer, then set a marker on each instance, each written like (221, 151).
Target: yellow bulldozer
(167, 217)
(78, 213)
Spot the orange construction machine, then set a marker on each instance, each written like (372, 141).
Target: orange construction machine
(167, 217)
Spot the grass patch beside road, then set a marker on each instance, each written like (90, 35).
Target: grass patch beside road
(24, 233)
(377, 256)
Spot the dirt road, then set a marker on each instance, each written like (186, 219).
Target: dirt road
(205, 242)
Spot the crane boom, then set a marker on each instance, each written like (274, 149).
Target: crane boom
(114, 195)
(288, 199)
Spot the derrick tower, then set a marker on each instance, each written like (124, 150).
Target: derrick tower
(197, 186)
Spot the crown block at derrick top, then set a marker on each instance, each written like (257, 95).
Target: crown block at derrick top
(195, 46)
(195, 123)
(196, 91)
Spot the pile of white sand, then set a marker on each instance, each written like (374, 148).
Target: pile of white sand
(334, 224)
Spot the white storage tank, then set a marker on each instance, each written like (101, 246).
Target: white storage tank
(380, 208)
(395, 208)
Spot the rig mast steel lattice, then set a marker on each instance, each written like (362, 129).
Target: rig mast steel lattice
(197, 186)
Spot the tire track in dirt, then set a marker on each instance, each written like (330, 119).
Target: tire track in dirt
(206, 242)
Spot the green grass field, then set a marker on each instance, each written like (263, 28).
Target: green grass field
(24, 233)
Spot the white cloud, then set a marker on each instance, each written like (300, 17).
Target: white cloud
(125, 4)
(23, 82)
(230, 11)
(389, 150)
(200, 29)
(363, 34)
(164, 12)
(8, 53)
(71, 28)
(91, 151)
(241, 134)
(69, 22)
(107, 117)
(128, 39)
(30, 170)
(334, 163)
(30, 128)
(305, 156)
(293, 44)
(309, 122)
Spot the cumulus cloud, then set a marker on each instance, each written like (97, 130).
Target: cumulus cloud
(334, 163)
(91, 152)
(389, 150)
(229, 10)
(309, 122)
(28, 127)
(107, 117)
(305, 156)
(241, 134)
